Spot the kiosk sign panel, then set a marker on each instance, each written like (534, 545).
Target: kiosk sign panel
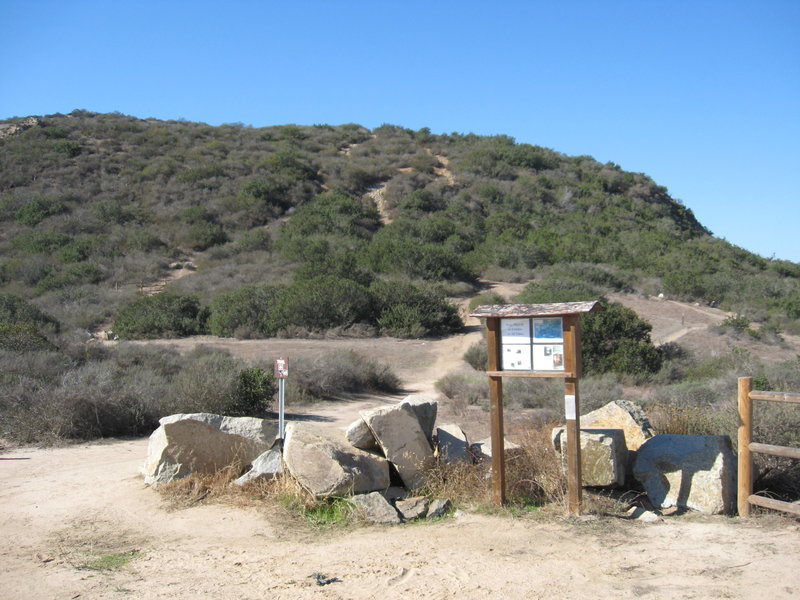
(532, 344)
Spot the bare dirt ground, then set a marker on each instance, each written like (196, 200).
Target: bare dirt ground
(63, 508)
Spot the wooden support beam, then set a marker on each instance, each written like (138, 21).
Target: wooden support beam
(496, 398)
(745, 434)
(782, 451)
(532, 374)
(774, 504)
(572, 363)
(776, 397)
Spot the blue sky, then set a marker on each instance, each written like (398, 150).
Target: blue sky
(702, 96)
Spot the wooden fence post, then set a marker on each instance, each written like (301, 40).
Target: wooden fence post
(745, 484)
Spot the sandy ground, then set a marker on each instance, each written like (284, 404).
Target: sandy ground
(62, 508)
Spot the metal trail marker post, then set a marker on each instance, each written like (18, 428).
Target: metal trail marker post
(281, 374)
(535, 340)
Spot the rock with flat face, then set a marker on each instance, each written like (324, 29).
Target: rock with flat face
(621, 414)
(404, 444)
(604, 455)
(426, 408)
(452, 444)
(326, 465)
(204, 443)
(688, 471)
(374, 508)
(266, 466)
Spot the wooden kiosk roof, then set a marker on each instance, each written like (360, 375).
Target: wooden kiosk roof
(535, 310)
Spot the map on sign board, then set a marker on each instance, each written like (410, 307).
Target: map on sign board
(532, 344)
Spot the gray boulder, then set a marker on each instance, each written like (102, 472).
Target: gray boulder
(326, 465)
(426, 408)
(360, 436)
(413, 508)
(204, 443)
(621, 414)
(452, 444)
(402, 440)
(482, 449)
(688, 471)
(604, 455)
(374, 508)
(438, 508)
(266, 466)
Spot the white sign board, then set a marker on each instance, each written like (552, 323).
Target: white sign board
(515, 331)
(532, 344)
(517, 357)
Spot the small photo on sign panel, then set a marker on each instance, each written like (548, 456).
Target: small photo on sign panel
(516, 357)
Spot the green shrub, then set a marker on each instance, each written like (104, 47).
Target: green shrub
(322, 303)
(405, 309)
(617, 340)
(36, 242)
(246, 312)
(15, 310)
(22, 337)
(162, 315)
(254, 392)
(37, 210)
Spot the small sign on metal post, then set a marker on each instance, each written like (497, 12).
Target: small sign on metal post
(281, 374)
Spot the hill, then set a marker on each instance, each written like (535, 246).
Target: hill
(95, 207)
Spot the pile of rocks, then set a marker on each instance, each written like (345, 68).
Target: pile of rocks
(388, 445)
(620, 448)
(386, 452)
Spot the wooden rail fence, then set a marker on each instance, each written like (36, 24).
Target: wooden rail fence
(747, 446)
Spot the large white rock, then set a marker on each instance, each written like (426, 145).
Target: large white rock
(426, 408)
(688, 471)
(604, 455)
(326, 465)
(402, 440)
(621, 414)
(204, 443)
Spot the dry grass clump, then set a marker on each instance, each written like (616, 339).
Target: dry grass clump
(533, 476)
(282, 496)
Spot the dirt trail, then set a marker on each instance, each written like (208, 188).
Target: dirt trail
(61, 509)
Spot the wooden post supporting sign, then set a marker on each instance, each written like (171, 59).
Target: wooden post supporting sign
(536, 340)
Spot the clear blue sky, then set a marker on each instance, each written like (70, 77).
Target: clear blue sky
(702, 96)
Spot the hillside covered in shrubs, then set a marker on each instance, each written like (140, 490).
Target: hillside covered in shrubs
(95, 206)
(320, 230)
